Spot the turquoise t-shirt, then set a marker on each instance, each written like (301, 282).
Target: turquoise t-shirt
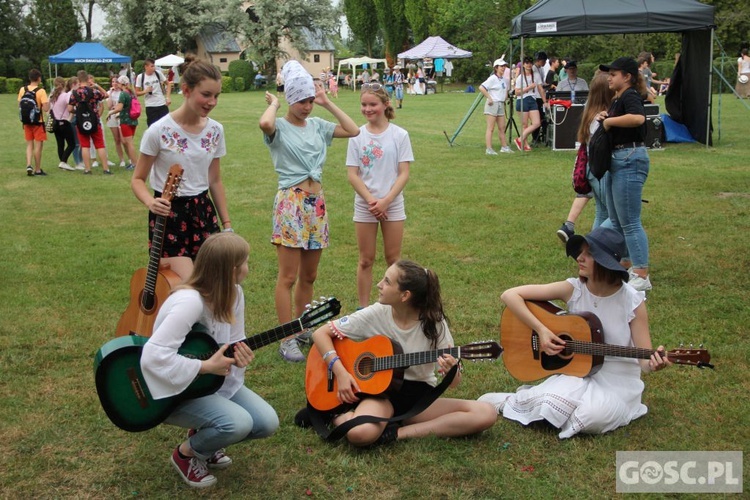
(299, 153)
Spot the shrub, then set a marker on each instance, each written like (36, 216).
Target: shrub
(3, 85)
(21, 67)
(241, 69)
(13, 84)
(3, 67)
(226, 84)
(239, 84)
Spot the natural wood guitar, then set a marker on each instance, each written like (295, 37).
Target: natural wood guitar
(378, 365)
(584, 345)
(150, 286)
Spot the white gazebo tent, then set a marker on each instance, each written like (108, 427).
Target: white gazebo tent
(353, 62)
(436, 48)
(169, 61)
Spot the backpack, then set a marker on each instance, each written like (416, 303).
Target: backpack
(86, 119)
(28, 108)
(143, 79)
(600, 152)
(135, 107)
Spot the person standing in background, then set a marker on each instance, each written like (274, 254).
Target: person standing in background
(61, 127)
(151, 83)
(34, 132)
(495, 89)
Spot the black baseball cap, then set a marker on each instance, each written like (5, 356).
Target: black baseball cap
(626, 64)
(571, 64)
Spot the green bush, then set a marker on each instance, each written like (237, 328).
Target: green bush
(3, 67)
(13, 84)
(226, 84)
(241, 69)
(3, 85)
(239, 84)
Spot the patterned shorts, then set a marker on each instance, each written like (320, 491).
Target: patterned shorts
(191, 220)
(300, 219)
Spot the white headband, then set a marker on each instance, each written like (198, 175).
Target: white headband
(298, 83)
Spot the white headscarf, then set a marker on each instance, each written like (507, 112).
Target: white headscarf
(298, 83)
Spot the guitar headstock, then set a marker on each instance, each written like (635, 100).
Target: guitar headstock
(481, 350)
(694, 357)
(319, 312)
(174, 177)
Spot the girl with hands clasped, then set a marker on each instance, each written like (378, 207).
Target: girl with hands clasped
(213, 297)
(409, 311)
(190, 138)
(298, 144)
(611, 397)
(378, 160)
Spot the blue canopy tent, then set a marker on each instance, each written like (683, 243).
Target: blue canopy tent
(87, 53)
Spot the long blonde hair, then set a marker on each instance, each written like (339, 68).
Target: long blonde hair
(600, 97)
(214, 275)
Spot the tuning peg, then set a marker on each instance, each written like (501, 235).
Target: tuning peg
(691, 346)
(682, 345)
(315, 303)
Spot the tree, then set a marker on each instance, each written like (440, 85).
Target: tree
(54, 28)
(85, 10)
(361, 17)
(392, 20)
(268, 21)
(419, 15)
(13, 32)
(157, 27)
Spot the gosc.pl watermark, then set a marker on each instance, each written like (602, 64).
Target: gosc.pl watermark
(679, 472)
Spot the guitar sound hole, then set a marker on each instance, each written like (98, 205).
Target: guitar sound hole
(147, 301)
(560, 360)
(364, 366)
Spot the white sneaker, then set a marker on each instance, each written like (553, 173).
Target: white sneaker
(490, 151)
(640, 284)
(65, 166)
(496, 399)
(122, 163)
(506, 149)
(110, 163)
(80, 166)
(95, 164)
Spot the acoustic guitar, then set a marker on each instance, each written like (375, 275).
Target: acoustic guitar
(150, 286)
(584, 345)
(123, 392)
(378, 365)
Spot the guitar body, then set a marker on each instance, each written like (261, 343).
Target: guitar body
(523, 357)
(122, 389)
(138, 318)
(357, 357)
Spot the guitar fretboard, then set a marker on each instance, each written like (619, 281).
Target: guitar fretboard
(152, 272)
(596, 349)
(412, 359)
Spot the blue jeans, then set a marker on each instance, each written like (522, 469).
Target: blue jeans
(599, 188)
(624, 190)
(221, 422)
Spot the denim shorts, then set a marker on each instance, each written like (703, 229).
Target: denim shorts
(529, 104)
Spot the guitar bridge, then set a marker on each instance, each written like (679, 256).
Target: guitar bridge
(135, 383)
(535, 345)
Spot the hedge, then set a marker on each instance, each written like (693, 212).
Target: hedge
(13, 84)
(239, 84)
(226, 84)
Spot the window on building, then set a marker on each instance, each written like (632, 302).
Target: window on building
(222, 59)
(316, 58)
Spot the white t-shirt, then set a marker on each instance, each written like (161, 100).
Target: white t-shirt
(377, 319)
(376, 156)
(497, 88)
(170, 144)
(155, 80)
(524, 80)
(168, 373)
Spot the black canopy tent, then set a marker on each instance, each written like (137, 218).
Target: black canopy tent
(689, 96)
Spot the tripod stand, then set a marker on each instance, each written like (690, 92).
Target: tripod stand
(511, 122)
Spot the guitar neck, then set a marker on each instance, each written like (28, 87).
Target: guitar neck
(597, 349)
(412, 359)
(274, 334)
(157, 242)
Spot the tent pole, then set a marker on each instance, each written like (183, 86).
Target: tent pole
(710, 82)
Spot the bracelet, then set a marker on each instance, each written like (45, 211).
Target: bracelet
(227, 230)
(332, 351)
(330, 365)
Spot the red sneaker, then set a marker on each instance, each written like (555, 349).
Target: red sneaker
(192, 470)
(526, 147)
(517, 141)
(219, 460)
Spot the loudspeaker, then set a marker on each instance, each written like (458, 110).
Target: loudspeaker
(654, 132)
(565, 122)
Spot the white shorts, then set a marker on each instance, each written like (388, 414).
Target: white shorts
(395, 212)
(495, 109)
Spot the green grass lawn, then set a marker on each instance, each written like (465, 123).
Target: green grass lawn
(484, 224)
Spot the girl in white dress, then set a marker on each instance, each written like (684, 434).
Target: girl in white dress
(611, 397)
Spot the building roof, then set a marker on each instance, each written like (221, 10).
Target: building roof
(315, 40)
(216, 39)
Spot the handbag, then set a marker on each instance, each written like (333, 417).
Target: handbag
(580, 180)
(50, 124)
(600, 152)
